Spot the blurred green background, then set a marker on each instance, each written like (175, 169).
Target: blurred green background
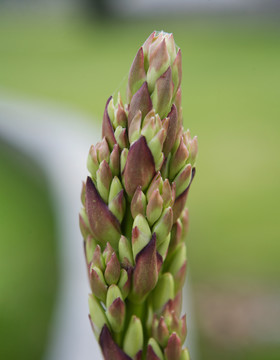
(231, 91)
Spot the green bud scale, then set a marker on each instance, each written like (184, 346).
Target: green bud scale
(134, 219)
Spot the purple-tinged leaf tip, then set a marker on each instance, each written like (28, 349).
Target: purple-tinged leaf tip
(141, 100)
(137, 74)
(151, 355)
(107, 127)
(140, 166)
(104, 225)
(173, 348)
(171, 132)
(181, 200)
(145, 273)
(109, 348)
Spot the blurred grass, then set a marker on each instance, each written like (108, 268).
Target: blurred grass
(28, 273)
(230, 100)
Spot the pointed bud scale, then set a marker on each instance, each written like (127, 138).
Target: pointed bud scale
(112, 294)
(97, 315)
(97, 259)
(193, 148)
(140, 168)
(97, 283)
(177, 266)
(98, 215)
(183, 329)
(102, 150)
(84, 223)
(178, 160)
(134, 130)
(141, 234)
(177, 71)
(155, 145)
(138, 203)
(154, 207)
(121, 137)
(172, 130)
(117, 206)
(183, 179)
(146, 47)
(115, 308)
(113, 270)
(90, 246)
(92, 162)
(173, 348)
(149, 118)
(161, 332)
(175, 324)
(167, 193)
(137, 74)
(103, 180)
(133, 339)
(185, 355)
(180, 201)
(124, 282)
(176, 237)
(185, 222)
(114, 161)
(154, 351)
(155, 184)
(83, 193)
(145, 273)
(124, 156)
(115, 188)
(120, 114)
(163, 226)
(109, 348)
(162, 95)
(107, 128)
(163, 292)
(116, 315)
(159, 61)
(125, 252)
(140, 101)
(149, 129)
(163, 247)
(171, 47)
(107, 253)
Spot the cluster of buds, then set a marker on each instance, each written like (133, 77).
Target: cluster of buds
(134, 219)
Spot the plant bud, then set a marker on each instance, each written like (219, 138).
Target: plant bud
(114, 161)
(185, 355)
(97, 259)
(173, 348)
(115, 308)
(133, 339)
(183, 179)
(125, 252)
(92, 162)
(97, 315)
(154, 207)
(134, 131)
(138, 203)
(141, 234)
(121, 137)
(112, 271)
(124, 283)
(103, 180)
(163, 291)
(154, 351)
(163, 226)
(98, 284)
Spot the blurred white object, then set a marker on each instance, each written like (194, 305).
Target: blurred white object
(59, 141)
